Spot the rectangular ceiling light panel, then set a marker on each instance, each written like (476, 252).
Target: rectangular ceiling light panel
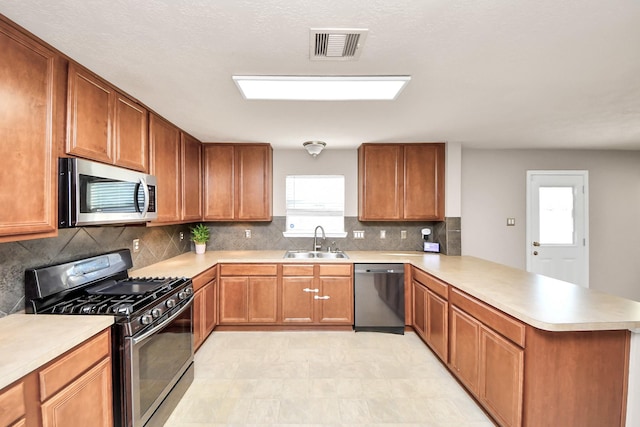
(321, 88)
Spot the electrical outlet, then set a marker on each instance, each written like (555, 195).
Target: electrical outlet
(511, 222)
(247, 234)
(403, 234)
(181, 236)
(136, 245)
(358, 234)
(383, 234)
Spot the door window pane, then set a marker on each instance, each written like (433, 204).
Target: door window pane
(556, 215)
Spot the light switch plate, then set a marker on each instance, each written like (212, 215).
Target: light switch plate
(403, 234)
(511, 222)
(383, 234)
(247, 234)
(136, 245)
(358, 234)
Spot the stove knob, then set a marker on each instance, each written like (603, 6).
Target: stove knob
(155, 313)
(146, 319)
(182, 295)
(170, 303)
(189, 291)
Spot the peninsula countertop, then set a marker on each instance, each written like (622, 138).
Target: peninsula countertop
(536, 300)
(29, 341)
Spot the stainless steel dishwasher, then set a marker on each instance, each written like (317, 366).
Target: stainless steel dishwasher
(379, 298)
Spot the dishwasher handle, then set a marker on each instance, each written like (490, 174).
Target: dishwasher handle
(379, 271)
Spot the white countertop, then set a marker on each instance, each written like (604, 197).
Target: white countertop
(539, 301)
(28, 341)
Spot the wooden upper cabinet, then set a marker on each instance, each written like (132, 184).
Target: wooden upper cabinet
(401, 182)
(191, 165)
(237, 182)
(164, 142)
(28, 163)
(380, 182)
(131, 134)
(104, 125)
(424, 182)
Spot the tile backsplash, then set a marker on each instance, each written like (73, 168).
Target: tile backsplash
(160, 243)
(156, 244)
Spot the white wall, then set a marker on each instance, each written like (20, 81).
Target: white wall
(329, 162)
(493, 188)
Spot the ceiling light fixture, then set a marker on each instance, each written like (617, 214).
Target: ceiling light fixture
(314, 147)
(321, 88)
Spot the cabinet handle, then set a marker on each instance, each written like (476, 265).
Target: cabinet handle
(324, 297)
(311, 290)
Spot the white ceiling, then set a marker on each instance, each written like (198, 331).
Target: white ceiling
(494, 74)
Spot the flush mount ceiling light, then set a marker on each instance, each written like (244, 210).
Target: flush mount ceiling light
(321, 88)
(314, 147)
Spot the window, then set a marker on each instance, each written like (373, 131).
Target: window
(314, 200)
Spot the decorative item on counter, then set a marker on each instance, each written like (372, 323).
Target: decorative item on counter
(200, 236)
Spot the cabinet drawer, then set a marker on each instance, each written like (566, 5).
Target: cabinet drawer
(297, 269)
(436, 286)
(12, 404)
(248, 269)
(69, 367)
(335, 269)
(499, 322)
(205, 277)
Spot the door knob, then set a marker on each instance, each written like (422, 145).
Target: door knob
(535, 252)
(536, 243)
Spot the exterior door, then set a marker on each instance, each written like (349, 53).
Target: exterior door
(557, 225)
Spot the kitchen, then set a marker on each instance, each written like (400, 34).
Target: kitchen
(613, 249)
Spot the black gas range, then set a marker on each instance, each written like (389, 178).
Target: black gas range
(152, 334)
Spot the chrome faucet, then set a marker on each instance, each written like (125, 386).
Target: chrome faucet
(316, 246)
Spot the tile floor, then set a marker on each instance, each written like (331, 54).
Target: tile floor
(322, 378)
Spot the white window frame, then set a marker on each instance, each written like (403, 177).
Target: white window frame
(306, 215)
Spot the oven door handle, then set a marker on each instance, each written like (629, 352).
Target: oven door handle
(161, 325)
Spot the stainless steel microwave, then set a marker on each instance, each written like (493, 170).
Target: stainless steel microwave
(91, 193)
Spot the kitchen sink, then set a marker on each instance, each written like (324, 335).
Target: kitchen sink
(315, 254)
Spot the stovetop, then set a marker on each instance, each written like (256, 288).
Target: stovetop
(116, 297)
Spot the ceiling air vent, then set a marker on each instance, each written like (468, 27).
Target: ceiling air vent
(336, 44)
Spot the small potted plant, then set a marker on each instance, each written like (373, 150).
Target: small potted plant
(200, 236)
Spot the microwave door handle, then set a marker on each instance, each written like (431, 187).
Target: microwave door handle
(145, 208)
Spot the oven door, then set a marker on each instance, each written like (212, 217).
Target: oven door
(154, 362)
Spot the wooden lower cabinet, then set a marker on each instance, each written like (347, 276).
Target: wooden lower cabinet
(464, 343)
(501, 377)
(248, 294)
(248, 299)
(84, 402)
(317, 294)
(204, 308)
(431, 319)
(489, 365)
(73, 390)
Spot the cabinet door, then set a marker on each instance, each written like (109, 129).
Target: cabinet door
(253, 182)
(234, 299)
(28, 162)
(437, 324)
(89, 111)
(210, 314)
(424, 182)
(131, 134)
(420, 309)
(164, 140)
(12, 405)
(380, 182)
(297, 299)
(191, 178)
(263, 299)
(219, 189)
(199, 313)
(501, 377)
(335, 300)
(85, 402)
(464, 340)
